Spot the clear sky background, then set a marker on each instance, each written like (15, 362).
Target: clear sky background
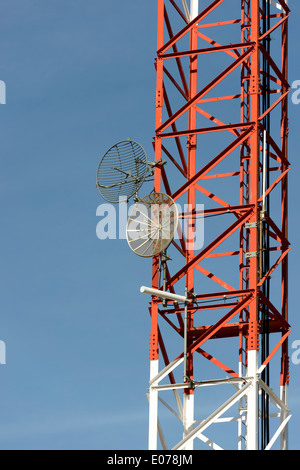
(79, 77)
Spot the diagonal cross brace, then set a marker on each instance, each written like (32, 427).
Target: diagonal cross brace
(213, 163)
(214, 416)
(205, 90)
(212, 246)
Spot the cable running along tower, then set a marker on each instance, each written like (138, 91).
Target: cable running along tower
(219, 350)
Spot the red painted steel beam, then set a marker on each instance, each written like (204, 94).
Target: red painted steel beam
(205, 90)
(213, 163)
(208, 50)
(205, 130)
(189, 26)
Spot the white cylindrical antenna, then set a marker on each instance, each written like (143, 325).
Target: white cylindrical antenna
(163, 294)
(176, 298)
(194, 10)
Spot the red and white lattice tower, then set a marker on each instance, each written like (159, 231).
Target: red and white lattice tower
(222, 126)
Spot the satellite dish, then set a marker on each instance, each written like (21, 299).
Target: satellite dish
(122, 171)
(152, 224)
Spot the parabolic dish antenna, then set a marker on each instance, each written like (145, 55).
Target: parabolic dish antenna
(122, 171)
(152, 224)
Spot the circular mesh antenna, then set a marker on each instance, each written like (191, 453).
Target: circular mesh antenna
(152, 224)
(122, 171)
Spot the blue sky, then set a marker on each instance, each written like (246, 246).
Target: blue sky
(79, 77)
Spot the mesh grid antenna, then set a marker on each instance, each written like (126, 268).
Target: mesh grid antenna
(152, 225)
(122, 171)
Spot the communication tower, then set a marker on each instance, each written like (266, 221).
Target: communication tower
(218, 309)
(222, 125)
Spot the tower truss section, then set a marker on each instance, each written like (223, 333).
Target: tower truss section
(219, 366)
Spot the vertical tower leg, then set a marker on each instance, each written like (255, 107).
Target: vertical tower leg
(154, 350)
(188, 417)
(252, 415)
(188, 395)
(154, 358)
(153, 408)
(180, 68)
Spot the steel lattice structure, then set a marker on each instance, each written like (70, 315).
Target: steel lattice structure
(226, 72)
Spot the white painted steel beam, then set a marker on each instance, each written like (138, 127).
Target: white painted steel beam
(188, 418)
(274, 397)
(278, 432)
(163, 294)
(204, 383)
(153, 409)
(214, 416)
(166, 371)
(252, 400)
(209, 442)
(230, 419)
